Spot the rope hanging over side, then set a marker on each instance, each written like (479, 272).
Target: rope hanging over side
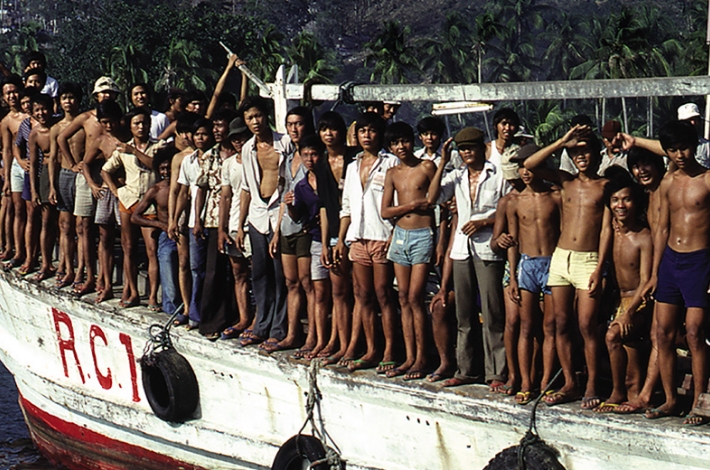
(159, 336)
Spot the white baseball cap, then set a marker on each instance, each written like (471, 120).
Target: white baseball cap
(687, 111)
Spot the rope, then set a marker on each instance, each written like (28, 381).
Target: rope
(332, 452)
(531, 437)
(159, 337)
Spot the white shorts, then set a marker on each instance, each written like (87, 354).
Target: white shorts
(17, 178)
(318, 271)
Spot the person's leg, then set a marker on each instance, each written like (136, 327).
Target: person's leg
(469, 348)
(67, 248)
(321, 298)
(130, 296)
(383, 277)
(441, 331)
(184, 273)
(403, 274)
(417, 290)
(150, 237)
(31, 237)
(549, 348)
(363, 312)
(260, 266)
(695, 321)
(277, 284)
(198, 259)
(304, 279)
(490, 284)
(667, 326)
(342, 287)
(563, 301)
(529, 313)
(511, 335)
(294, 300)
(20, 220)
(240, 272)
(634, 370)
(643, 399)
(587, 311)
(219, 307)
(167, 263)
(107, 237)
(7, 216)
(47, 240)
(618, 361)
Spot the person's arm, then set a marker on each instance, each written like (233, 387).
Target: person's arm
(595, 280)
(660, 238)
(274, 243)
(500, 240)
(220, 85)
(63, 138)
(244, 202)
(108, 179)
(169, 131)
(148, 200)
(340, 250)
(173, 192)
(89, 157)
(625, 320)
(628, 141)
(133, 150)
(536, 161)
(180, 205)
(435, 184)
(325, 258)
(443, 236)
(447, 270)
(52, 165)
(244, 89)
(200, 199)
(33, 162)
(6, 156)
(225, 203)
(513, 252)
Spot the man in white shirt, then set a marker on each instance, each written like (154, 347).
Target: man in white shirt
(140, 96)
(262, 186)
(477, 186)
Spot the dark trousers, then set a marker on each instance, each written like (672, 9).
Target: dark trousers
(219, 305)
(268, 286)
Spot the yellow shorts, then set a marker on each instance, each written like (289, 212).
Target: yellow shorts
(624, 303)
(572, 268)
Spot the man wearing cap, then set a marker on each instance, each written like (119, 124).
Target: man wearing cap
(578, 261)
(477, 186)
(534, 222)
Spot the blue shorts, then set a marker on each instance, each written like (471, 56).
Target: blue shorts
(533, 272)
(683, 278)
(410, 247)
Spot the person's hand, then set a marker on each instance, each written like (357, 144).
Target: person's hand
(274, 245)
(421, 204)
(198, 231)
(25, 164)
(573, 136)
(595, 282)
(627, 140)
(339, 252)
(505, 241)
(650, 288)
(440, 296)
(125, 148)
(624, 322)
(451, 206)
(52, 196)
(289, 198)
(6, 188)
(513, 291)
(77, 167)
(446, 151)
(173, 232)
(223, 239)
(97, 191)
(240, 239)
(439, 254)
(472, 226)
(36, 201)
(325, 258)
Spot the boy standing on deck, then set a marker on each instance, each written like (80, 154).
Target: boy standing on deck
(412, 242)
(681, 264)
(578, 261)
(534, 221)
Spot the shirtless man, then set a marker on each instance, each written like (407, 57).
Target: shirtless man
(632, 255)
(681, 264)
(39, 144)
(412, 244)
(100, 149)
(157, 197)
(262, 158)
(577, 264)
(649, 169)
(9, 126)
(105, 89)
(62, 186)
(533, 221)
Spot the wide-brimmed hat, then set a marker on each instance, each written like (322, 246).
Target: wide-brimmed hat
(104, 84)
(236, 127)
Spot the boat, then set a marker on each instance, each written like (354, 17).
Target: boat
(83, 394)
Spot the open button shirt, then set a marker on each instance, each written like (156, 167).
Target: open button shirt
(138, 177)
(490, 188)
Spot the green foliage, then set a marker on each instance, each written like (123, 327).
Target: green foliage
(447, 57)
(314, 62)
(391, 54)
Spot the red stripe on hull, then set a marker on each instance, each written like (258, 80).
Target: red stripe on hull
(75, 447)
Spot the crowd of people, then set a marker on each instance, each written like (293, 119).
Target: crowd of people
(510, 260)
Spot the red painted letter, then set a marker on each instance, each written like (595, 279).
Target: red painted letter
(106, 381)
(66, 344)
(128, 344)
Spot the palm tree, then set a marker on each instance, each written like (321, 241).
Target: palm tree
(314, 62)
(266, 56)
(447, 55)
(486, 30)
(568, 46)
(391, 54)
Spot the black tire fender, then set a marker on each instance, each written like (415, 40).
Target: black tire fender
(536, 457)
(170, 385)
(299, 452)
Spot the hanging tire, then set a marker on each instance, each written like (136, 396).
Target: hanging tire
(538, 456)
(298, 453)
(170, 385)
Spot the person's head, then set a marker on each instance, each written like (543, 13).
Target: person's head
(332, 129)
(524, 152)
(35, 78)
(523, 137)
(26, 95)
(610, 132)
(202, 134)
(140, 95)
(196, 102)
(226, 101)
(175, 100)
(299, 123)
(70, 95)
(255, 112)
(138, 121)
(585, 155)
(679, 140)
(11, 87)
(184, 127)
(399, 139)
(625, 199)
(471, 147)
(220, 121)
(505, 124)
(42, 106)
(691, 113)
(374, 107)
(105, 89)
(162, 160)
(431, 130)
(109, 114)
(647, 167)
(389, 109)
(238, 133)
(370, 131)
(36, 60)
(311, 150)
(581, 120)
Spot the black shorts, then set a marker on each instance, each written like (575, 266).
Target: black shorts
(298, 245)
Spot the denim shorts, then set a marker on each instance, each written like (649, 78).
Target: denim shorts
(533, 273)
(410, 247)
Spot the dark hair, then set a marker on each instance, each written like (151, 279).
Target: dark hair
(379, 105)
(195, 95)
(398, 130)
(623, 180)
(639, 155)
(185, 121)
(581, 119)
(312, 141)
(255, 102)
(36, 71)
(37, 56)
(43, 99)
(226, 115)
(678, 132)
(13, 79)
(226, 101)
(203, 122)
(108, 109)
(29, 91)
(145, 87)
(373, 120)
(72, 88)
(139, 111)
(502, 114)
(165, 154)
(334, 121)
(431, 124)
(307, 116)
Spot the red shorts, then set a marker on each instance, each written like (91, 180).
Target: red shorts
(368, 252)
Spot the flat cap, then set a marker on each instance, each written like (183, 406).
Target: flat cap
(469, 135)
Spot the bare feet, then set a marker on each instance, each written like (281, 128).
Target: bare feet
(104, 295)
